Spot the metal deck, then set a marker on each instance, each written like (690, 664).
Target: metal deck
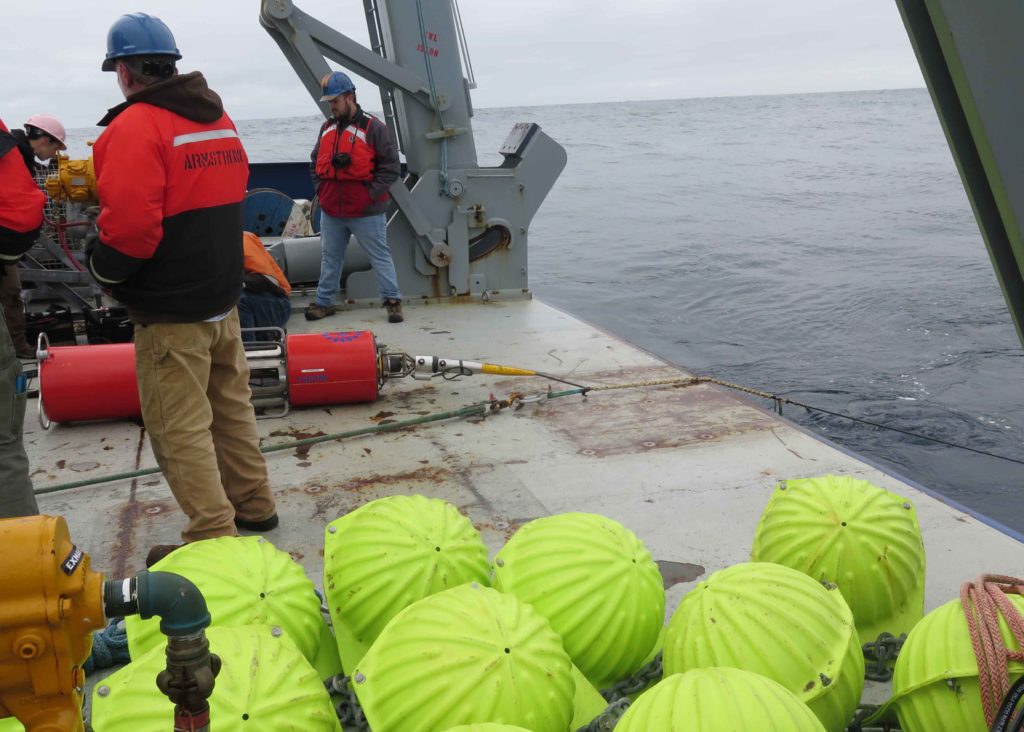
(688, 469)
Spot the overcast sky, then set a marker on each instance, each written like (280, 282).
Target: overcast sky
(527, 52)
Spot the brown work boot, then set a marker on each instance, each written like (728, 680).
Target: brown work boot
(24, 350)
(315, 311)
(394, 308)
(160, 551)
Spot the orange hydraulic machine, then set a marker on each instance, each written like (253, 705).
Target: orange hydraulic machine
(52, 603)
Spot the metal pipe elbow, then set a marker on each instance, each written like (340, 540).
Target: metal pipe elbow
(176, 600)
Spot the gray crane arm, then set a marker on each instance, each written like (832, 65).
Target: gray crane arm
(970, 54)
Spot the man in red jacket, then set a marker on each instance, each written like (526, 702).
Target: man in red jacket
(171, 174)
(353, 164)
(21, 216)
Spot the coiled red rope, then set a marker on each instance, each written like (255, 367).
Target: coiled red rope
(983, 601)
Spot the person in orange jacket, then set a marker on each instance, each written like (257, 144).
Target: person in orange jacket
(265, 290)
(21, 216)
(171, 174)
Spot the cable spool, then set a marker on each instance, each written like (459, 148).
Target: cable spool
(266, 211)
(264, 683)
(466, 655)
(853, 534)
(597, 584)
(386, 555)
(780, 623)
(717, 699)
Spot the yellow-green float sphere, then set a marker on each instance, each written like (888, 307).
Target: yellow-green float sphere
(777, 622)
(597, 584)
(716, 700)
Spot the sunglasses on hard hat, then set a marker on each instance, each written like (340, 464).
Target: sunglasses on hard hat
(34, 133)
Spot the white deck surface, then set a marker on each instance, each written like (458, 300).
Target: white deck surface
(689, 470)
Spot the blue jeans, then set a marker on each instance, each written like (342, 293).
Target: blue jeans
(262, 310)
(371, 233)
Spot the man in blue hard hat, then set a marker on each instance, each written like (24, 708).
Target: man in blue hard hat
(353, 164)
(171, 175)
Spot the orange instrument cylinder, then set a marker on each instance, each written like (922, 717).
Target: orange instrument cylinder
(52, 602)
(78, 383)
(332, 368)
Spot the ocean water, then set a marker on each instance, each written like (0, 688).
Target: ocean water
(817, 246)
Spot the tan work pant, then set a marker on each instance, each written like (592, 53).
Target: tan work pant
(194, 388)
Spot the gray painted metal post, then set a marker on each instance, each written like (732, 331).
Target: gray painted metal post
(970, 56)
(441, 52)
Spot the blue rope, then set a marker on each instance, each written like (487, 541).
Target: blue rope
(109, 647)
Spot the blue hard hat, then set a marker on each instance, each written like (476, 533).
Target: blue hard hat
(138, 34)
(334, 85)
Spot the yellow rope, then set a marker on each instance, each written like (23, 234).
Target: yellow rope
(688, 381)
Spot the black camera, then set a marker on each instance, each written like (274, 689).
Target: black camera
(341, 160)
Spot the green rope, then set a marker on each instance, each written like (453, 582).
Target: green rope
(471, 410)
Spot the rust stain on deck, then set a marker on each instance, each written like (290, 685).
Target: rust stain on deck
(129, 516)
(333, 499)
(301, 451)
(642, 418)
(437, 476)
(504, 527)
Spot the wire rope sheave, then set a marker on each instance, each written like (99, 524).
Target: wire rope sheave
(268, 212)
(247, 581)
(850, 533)
(716, 699)
(939, 680)
(464, 656)
(780, 623)
(597, 584)
(386, 555)
(265, 683)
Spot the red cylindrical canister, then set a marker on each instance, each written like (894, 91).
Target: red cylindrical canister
(332, 368)
(78, 383)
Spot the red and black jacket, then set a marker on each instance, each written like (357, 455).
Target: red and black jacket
(21, 200)
(361, 187)
(171, 173)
